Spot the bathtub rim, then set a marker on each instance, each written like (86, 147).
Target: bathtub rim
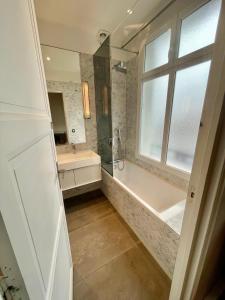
(162, 216)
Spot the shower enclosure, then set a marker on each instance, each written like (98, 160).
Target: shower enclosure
(103, 104)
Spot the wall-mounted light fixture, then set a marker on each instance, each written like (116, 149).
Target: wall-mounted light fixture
(86, 100)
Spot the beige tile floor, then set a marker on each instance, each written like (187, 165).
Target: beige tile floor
(110, 263)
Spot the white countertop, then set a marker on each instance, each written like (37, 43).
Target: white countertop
(79, 159)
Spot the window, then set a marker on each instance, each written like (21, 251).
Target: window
(189, 94)
(157, 52)
(153, 108)
(199, 29)
(173, 89)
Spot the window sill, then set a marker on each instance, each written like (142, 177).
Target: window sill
(164, 168)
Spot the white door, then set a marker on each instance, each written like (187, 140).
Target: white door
(30, 198)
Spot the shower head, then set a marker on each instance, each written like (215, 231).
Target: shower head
(120, 67)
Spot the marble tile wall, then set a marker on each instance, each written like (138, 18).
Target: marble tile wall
(73, 108)
(161, 241)
(131, 134)
(118, 96)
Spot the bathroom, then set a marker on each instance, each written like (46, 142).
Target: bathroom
(125, 150)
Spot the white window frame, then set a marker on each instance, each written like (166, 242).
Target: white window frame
(174, 64)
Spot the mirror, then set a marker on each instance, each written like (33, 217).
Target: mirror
(62, 72)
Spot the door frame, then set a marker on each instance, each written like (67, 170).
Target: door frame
(197, 223)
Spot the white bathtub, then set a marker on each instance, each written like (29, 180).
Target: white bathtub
(163, 199)
(151, 206)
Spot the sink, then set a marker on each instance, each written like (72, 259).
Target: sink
(79, 159)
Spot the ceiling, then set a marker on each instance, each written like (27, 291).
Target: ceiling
(75, 24)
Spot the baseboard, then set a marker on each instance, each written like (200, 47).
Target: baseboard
(71, 283)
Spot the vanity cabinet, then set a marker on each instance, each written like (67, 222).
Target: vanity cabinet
(66, 179)
(78, 169)
(78, 177)
(87, 175)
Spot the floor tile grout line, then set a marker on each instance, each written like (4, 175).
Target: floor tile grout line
(113, 213)
(81, 277)
(110, 261)
(108, 214)
(94, 221)
(133, 245)
(113, 259)
(84, 210)
(71, 217)
(72, 209)
(135, 242)
(94, 207)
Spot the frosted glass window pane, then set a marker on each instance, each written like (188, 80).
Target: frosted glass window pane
(199, 29)
(156, 52)
(189, 94)
(153, 106)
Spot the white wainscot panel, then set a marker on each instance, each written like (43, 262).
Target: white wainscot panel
(62, 288)
(20, 63)
(40, 199)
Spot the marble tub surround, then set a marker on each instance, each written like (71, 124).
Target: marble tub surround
(109, 260)
(173, 216)
(158, 236)
(164, 200)
(131, 128)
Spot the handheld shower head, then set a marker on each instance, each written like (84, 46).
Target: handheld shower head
(120, 67)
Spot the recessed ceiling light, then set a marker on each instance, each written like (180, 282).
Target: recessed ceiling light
(129, 11)
(48, 58)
